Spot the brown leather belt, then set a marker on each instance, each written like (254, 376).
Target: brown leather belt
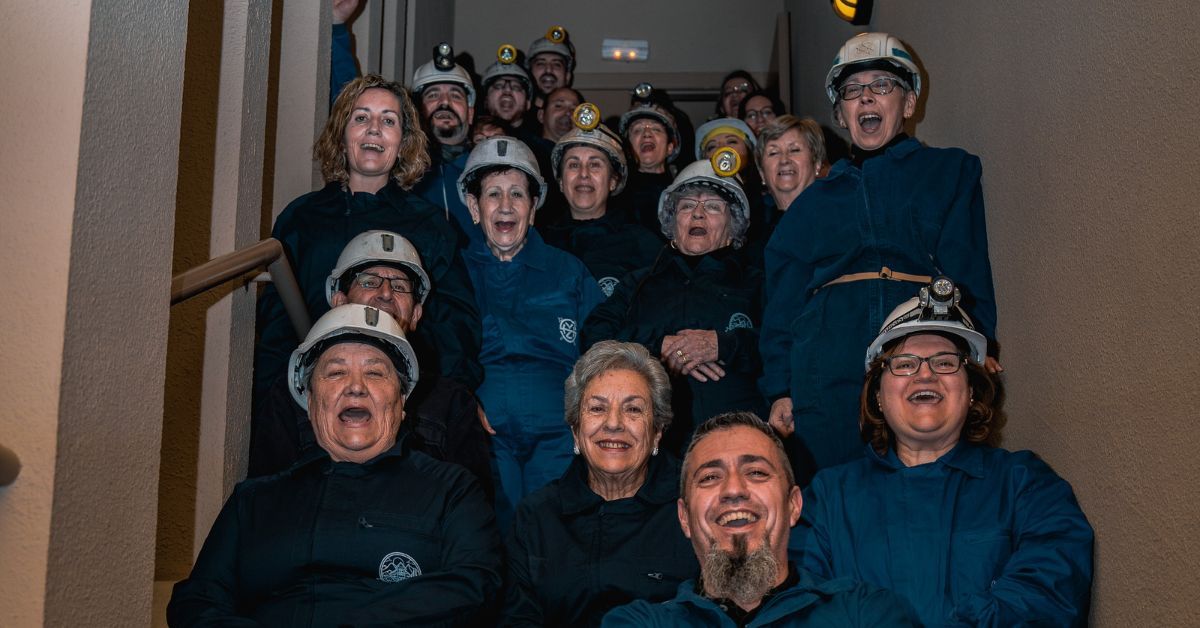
(883, 273)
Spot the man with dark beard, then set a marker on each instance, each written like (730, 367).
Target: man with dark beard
(445, 95)
(738, 501)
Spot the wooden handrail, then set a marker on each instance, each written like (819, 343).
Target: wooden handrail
(218, 270)
(10, 466)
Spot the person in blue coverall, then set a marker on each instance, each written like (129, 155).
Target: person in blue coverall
(533, 298)
(848, 247)
(362, 531)
(371, 151)
(970, 534)
(737, 501)
(445, 94)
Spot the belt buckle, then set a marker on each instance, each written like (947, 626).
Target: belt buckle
(885, 273)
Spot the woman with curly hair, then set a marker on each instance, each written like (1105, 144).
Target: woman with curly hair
(970, 534)
(371, 152)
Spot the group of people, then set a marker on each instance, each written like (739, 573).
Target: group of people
(558, 378)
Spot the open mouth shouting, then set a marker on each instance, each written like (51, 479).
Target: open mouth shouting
(354, 416)
(870, 122)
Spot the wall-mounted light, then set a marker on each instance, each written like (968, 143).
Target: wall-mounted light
(854, 11)
(635, 50)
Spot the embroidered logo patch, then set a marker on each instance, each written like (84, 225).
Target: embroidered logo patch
(739, 321)
(566, 330)
(398, 566)
(607, 285)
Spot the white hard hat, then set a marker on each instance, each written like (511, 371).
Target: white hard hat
(378, 248)
(346, 322)
(720, 172)
(506, 152)
(934, 309)
(872, 51)
(653, 111)
(720, 125)
(589, 132)
(443, 69)
(555, 40)
(506, 65)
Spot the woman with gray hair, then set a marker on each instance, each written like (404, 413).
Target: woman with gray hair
(698, 306)
(605, 533)
(790, 154)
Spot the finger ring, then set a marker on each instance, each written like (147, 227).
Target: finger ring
(679, 352)
(685, 358)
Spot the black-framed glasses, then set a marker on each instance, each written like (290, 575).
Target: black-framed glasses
(907, 365)
(370, 281)
(509, 85)
(881, 86)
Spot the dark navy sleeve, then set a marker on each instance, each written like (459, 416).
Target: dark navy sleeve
(638, 614)
(276, 336)
(610, 319)
(815, 511)
(787, 276)
(209, 596)
(1048, 578)
(522, 606)
(451, 324)
(343, 67)
(962, 249)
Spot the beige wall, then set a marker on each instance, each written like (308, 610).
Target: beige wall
(45, 49)
(88, 184)
(1081, 117)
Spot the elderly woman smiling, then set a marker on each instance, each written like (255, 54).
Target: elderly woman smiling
(606, 532)
(532, 298)
(362, 530)
(970, 534)
(790, 152)
(698, 305)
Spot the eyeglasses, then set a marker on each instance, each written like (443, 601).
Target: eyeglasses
(711, 206)
(508, 85)
(740, 88)
(369, 281)
(766, 113)
(907, 365)
(881, 86)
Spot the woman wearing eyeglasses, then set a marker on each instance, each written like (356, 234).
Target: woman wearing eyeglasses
(970, 534)
(894, 213)
(698, 307)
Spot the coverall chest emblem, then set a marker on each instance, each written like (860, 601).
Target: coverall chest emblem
(398, 566)
(739, 321)
(566, 330)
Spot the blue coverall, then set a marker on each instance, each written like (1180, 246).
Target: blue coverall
(913, 209)
(531, 308)
(980, 537)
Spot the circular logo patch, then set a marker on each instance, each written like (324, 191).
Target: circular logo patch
(398, 566)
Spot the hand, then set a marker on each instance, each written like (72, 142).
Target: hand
(487, 427)
(781, 417)
(992, 365)
(682, 352)
(343, 9)
(707, 371)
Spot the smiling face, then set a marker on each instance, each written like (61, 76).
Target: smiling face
(616, 424)
(549, 71)
(925, 411)
(556, 115)
(587, 180)
(788, 166)
(504, 210)
(736, 485)
(873, 120)
(445, 106)
(759, 111)
(702, 223)
(507, 100)
(355, 402)
(372, 139)
(732, 140)
(403, 306)
(651, 144)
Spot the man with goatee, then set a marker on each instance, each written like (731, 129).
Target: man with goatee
(738, 501)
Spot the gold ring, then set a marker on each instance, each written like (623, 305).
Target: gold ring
(679, 352)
